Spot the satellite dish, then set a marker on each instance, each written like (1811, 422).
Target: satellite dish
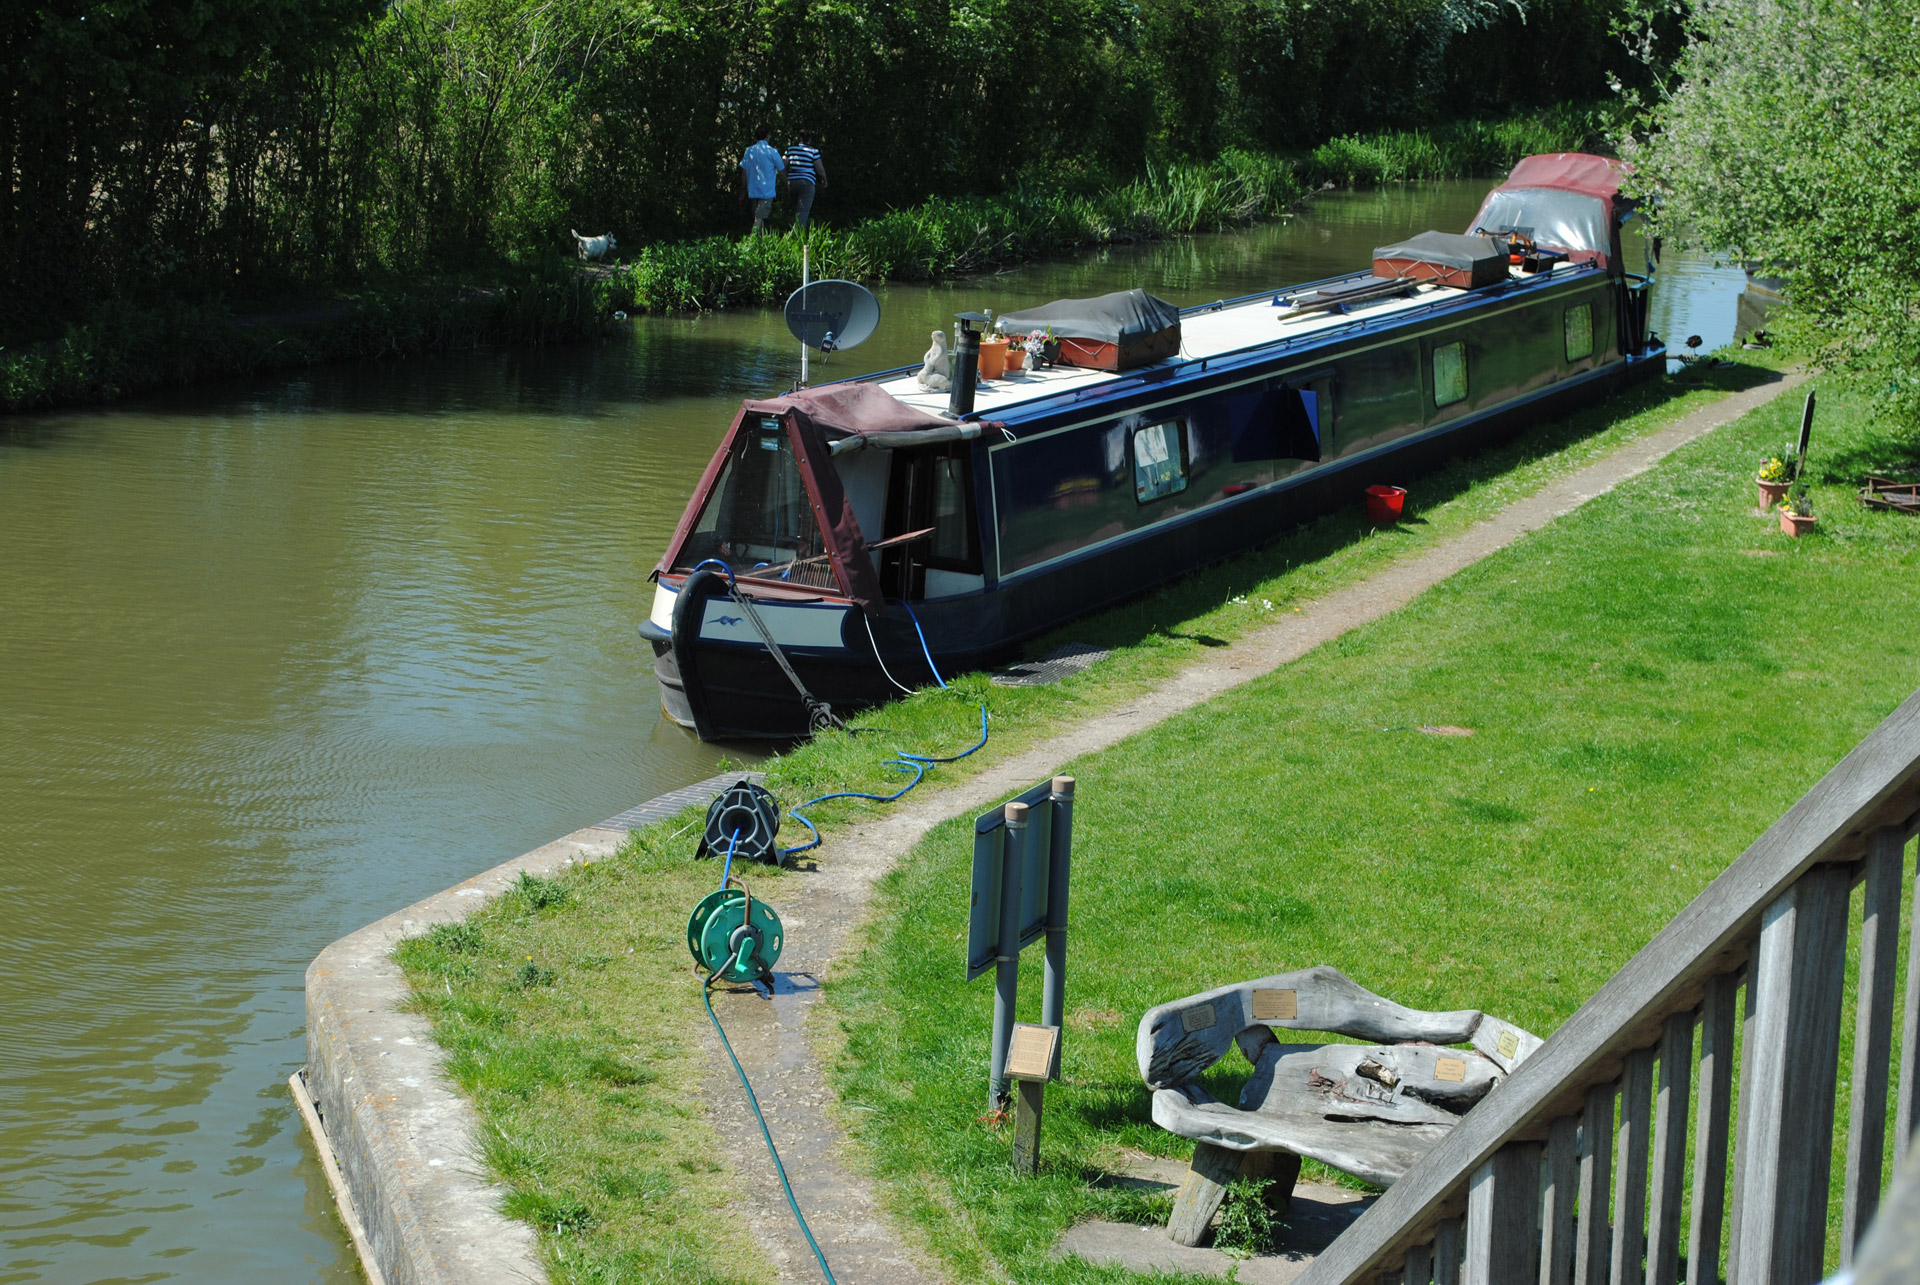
(830, 315)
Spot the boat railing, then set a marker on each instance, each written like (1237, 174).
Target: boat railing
(1579, 1169)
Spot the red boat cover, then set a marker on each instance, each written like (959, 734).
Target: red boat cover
(810, 415)
(1572, 172)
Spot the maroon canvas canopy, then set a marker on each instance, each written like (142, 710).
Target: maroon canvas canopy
(813, 418)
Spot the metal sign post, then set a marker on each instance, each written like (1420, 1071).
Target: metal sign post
(1022, 858)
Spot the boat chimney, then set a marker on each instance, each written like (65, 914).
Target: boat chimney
(966, 365)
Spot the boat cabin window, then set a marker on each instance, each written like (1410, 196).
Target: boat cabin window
(758, 519)
(1450, 373)
(1579, 331)
(1159, 461)
(1563, 220)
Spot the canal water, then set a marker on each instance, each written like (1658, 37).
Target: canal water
(280, 656)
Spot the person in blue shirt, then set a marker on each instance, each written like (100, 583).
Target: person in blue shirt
(762, 165)
(805, 171)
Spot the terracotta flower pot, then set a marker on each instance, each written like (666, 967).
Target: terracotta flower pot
(993, 358)
(1795, 525)
(1016, 358)
(1771, 492)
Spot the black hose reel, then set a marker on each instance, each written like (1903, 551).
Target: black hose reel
(744, 820)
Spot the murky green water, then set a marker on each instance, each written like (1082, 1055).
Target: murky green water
(281, 656)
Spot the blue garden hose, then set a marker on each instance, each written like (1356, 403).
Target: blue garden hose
(900, 762)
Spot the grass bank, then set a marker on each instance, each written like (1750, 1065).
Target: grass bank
(569, 1016)
(1650, 682)
(953, 237)
(127, 348)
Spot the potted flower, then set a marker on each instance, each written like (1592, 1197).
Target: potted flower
(1796, 513)
(1776, 475)
(1042, 347)
(1016, 353)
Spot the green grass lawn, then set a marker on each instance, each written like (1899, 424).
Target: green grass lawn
(569, 1016)
(1651, 681)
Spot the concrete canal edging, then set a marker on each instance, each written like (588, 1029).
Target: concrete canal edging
(399, 1143)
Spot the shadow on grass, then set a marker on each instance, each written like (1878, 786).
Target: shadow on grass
(1144, 617)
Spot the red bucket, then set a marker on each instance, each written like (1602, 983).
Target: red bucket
(1384, 503)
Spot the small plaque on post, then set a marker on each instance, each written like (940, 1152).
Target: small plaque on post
(1030, 1057)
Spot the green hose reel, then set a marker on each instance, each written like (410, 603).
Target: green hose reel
(734, 936)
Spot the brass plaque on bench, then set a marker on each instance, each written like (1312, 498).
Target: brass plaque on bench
(1197, 1018)
(1275, 1005)
(1509, 1043)
(1452, 1069)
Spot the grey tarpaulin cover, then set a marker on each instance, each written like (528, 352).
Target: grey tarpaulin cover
(1448, 249)
(1124, 317)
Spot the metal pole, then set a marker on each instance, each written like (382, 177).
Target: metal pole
(804, 279)
(1006, 974)
(1053, 999)
(966, 369)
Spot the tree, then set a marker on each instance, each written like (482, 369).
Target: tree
(1791, 136)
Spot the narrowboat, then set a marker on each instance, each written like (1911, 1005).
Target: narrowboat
(855, 539)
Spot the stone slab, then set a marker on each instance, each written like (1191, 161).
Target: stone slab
(1320, 1211)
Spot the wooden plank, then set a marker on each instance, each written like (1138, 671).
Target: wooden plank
(1448, 1246)
(1213, 1168)
(1749, 1025)
(1029, 1104)
(1594, 1237)
(1872, 1035)
(1866, 789)
(1558, 1184)
(1710, 1130)
(1630, 1170)
(1668, 1184)
(1905, 1115)
(1798, 980)
(1503, 1200)
(1418, 1268)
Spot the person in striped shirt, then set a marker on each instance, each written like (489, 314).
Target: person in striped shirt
(805, 172)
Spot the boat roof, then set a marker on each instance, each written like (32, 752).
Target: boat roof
(1206, 333)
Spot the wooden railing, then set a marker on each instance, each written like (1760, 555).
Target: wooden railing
(1576, 1170)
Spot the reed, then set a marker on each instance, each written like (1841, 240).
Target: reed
(954, 236)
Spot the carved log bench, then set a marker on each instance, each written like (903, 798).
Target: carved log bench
(1370, 1110)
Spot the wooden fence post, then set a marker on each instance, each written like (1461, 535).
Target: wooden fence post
(1710, 1138)
(1596, 1165)
(1872, 1035)
(1669, 1150)
(1556, 1202)
(1787, 1101)
(1503, 1197)
(1630, 1174)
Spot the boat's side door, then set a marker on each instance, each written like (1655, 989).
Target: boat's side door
(929, 491)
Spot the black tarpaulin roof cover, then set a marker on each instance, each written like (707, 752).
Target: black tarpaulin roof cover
(1123, 317)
